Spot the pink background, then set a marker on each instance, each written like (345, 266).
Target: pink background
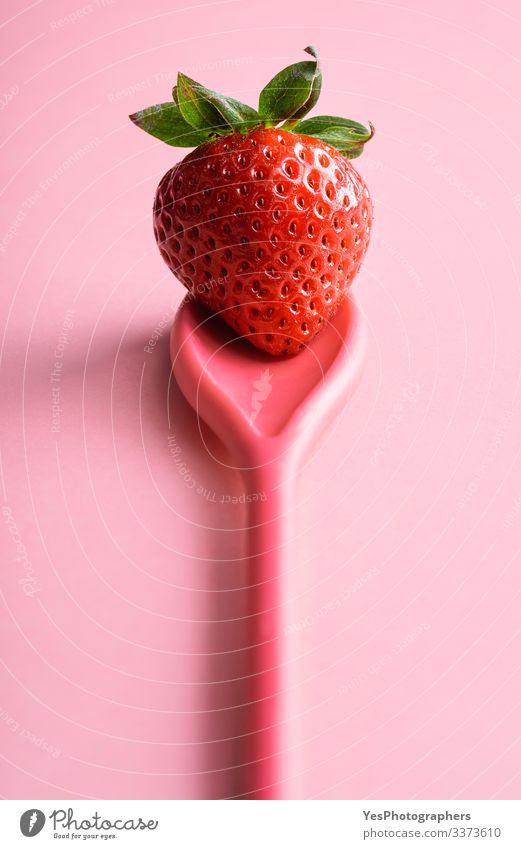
(121, 656)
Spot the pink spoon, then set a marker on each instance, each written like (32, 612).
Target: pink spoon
(267, 412)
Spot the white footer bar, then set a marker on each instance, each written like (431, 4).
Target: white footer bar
(261, 825)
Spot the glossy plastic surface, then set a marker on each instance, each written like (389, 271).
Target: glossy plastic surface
(267, 412)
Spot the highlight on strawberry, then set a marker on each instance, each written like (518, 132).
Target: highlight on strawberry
(267, 221)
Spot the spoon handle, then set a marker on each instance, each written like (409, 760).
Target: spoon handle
(269, 535)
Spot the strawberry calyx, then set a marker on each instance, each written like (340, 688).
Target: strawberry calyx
(196, 114)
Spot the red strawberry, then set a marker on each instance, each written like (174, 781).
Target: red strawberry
(267, 226)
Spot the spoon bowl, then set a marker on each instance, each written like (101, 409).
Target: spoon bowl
(223, 377)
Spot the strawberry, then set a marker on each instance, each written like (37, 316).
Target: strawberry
(266, 225)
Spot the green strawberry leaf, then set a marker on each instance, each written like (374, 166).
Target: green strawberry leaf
(351, 152)
(207, 109)
(198, 114)
(292, 92)
(238, 115)
(322, 123)
(165, 122)
(195, 109)
(346, 136)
